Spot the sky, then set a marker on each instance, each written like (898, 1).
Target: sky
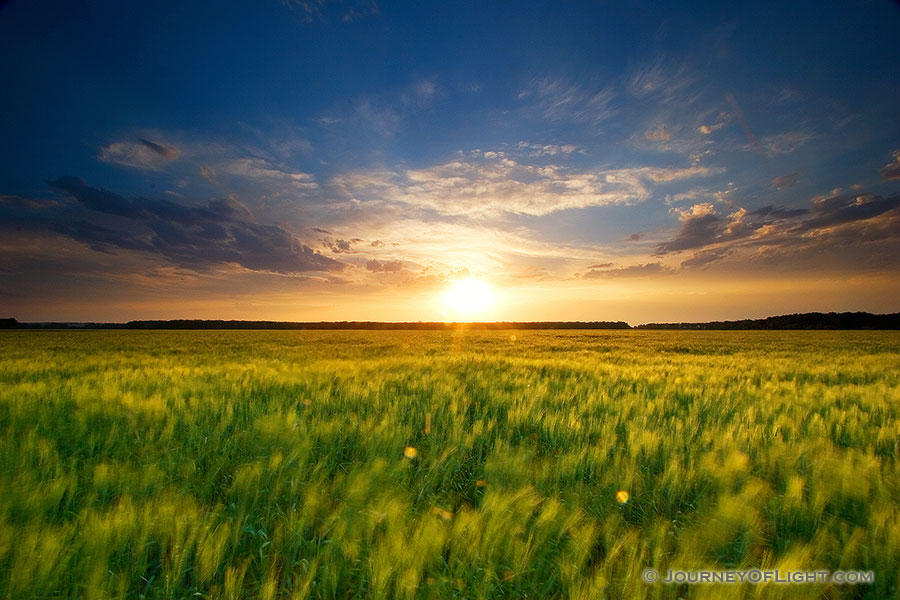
(325, 160)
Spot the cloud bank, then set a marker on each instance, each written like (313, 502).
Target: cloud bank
(220, 232)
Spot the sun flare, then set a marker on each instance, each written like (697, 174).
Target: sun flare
(469, 296)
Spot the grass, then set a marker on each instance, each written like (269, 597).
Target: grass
(251, 464)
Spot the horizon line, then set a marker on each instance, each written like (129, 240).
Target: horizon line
(808, 320)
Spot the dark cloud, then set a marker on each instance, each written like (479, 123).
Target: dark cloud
(785, 181)
(696, 232)
(601, 266)
(21, 202)
(636, 237)
(654, 268)
(319, 230)
(778, 234)
(101, 238)
(96, 199)
(705, 257)
(341, 246)
(386, 266)
(773, 212)
(164, 151)
(220, 232)
(842, 209)
(892, 170)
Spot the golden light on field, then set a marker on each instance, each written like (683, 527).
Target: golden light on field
(469, 296)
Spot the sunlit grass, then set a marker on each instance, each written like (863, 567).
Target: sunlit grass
(445, 465)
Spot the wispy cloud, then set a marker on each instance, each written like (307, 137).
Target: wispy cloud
(140, 154)
(785, 143)
(481, 184)
(560, 100)
(785, 181)
(638, 270)
(420, 93)
(262, 170)
(663, 79)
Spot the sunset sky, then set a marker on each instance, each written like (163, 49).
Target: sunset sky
(326, 160)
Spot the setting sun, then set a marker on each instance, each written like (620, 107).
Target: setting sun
(469, 296)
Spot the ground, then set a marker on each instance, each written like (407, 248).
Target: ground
(259, 464)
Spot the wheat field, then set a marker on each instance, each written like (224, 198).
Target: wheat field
(505, 464)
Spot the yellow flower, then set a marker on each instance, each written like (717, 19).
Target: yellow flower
(409, 452)
(444, 514)
(622, 496)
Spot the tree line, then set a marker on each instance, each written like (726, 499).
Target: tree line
(815, 320)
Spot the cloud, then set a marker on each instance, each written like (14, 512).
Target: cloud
(701, 225)
(639, 270)
(837, 210)
(840, 221)
(367, 116)
(892, 169)
(559, 100)
(216, 233)
(206, 172)
(785, 181)
(21, 202)
(261, 169)
(784, 143)
(140, 154)
(709, 129)
(548, 149)
(658, 134)
(662, 79)
(386, 266)
(480, 184)
(705, 257)
(341, 246)
(420, 93)
(96, 199)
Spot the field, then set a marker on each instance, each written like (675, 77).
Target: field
(253, 464)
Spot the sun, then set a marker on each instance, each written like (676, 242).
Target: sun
(469, 296)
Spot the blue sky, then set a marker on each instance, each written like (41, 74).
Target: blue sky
(344, 160)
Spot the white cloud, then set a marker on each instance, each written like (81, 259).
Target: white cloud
(547, 149)
(260, 169)
(483, 184)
